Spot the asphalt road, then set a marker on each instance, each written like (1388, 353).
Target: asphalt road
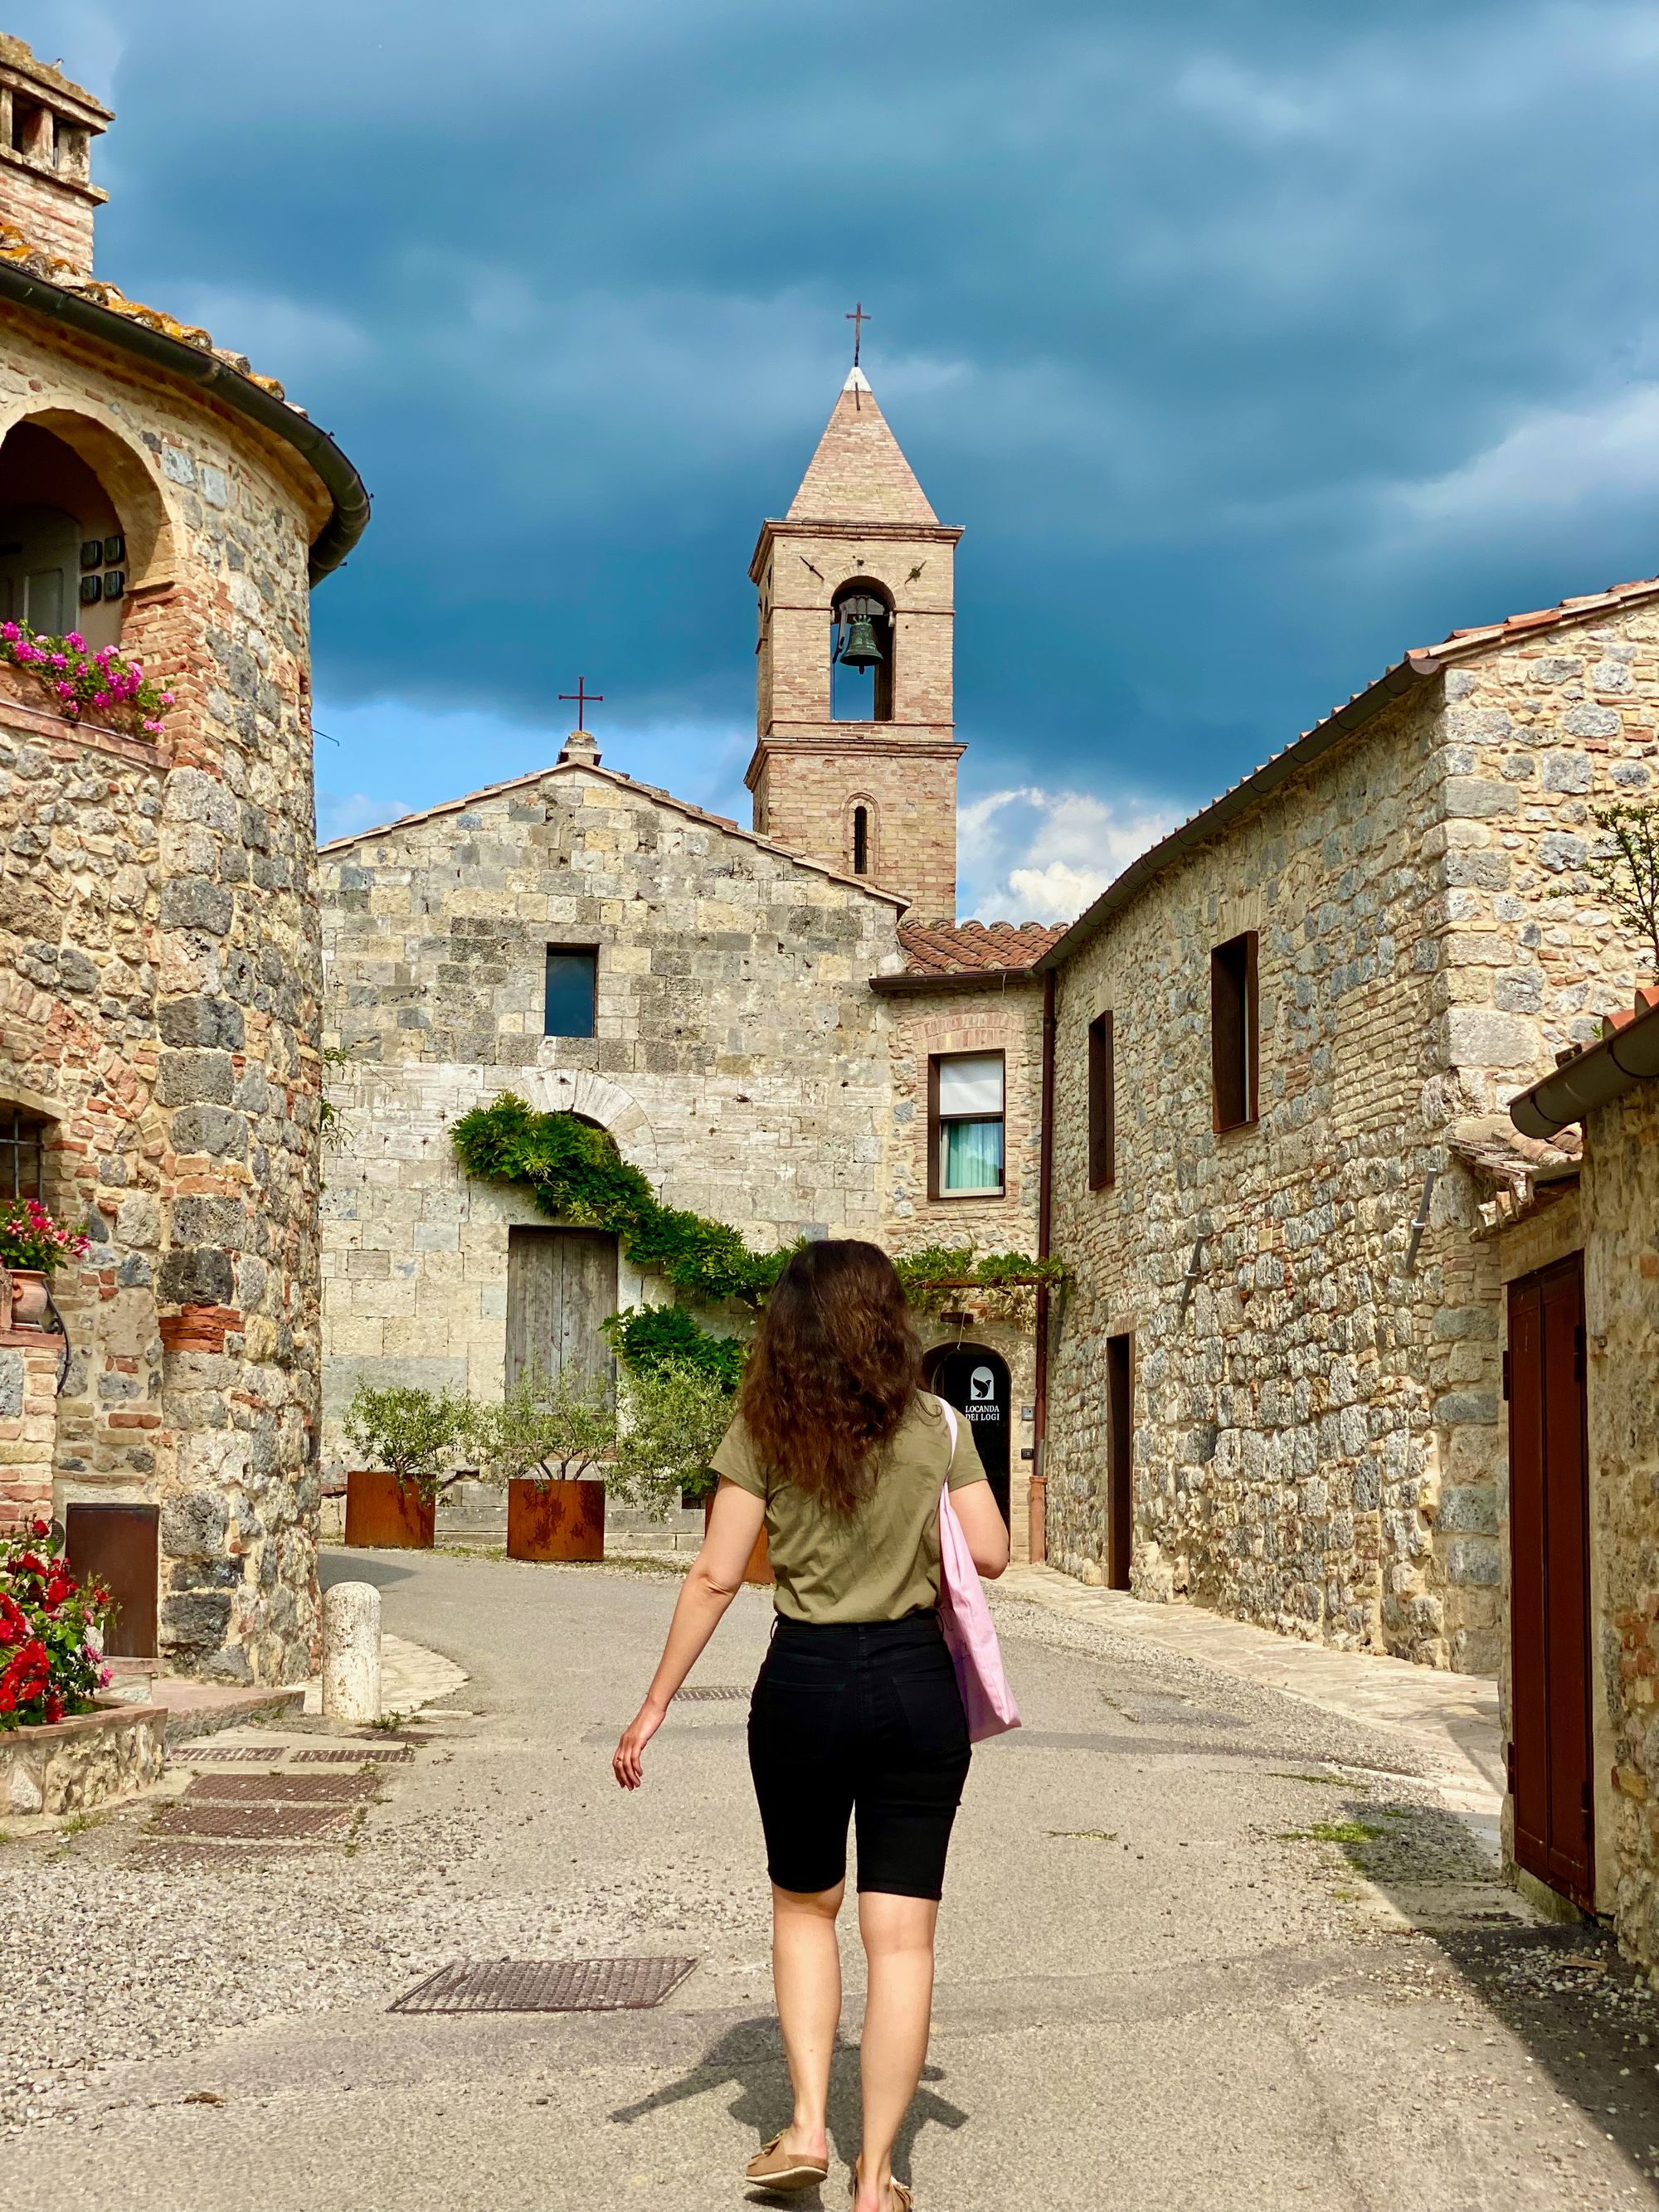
(1160, 1987)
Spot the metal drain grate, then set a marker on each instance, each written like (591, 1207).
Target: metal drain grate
(547, 1985)
(709, 1692)
(227, 1751)
(376, 1754)
(247, 1822)
(283, 1789)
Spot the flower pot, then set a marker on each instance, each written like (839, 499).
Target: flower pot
(555, 1519)
(385, 1514)
(759, 1569)
(29, 1308)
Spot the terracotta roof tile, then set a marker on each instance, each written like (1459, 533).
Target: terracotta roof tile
(975, 948)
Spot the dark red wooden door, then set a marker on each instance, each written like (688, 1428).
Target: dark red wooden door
(1549, 1607)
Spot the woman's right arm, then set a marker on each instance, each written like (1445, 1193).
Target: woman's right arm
(983, 1526)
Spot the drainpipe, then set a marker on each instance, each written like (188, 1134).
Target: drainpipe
(1039, 1500)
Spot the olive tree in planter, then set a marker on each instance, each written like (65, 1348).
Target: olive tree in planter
(416, 1438)
(674, 1413)
(547, 1441)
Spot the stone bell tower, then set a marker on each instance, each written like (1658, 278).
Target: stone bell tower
(855, 751)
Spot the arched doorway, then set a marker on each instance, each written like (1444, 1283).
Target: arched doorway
(63, 548)
(975, 1381)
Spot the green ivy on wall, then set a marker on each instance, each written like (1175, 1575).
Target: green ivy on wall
(574, 1173)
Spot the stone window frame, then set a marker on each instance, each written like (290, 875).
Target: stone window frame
(1101, 1068)
(591, 954)
(856, 799)
(1236, 1033)
(19, 1106)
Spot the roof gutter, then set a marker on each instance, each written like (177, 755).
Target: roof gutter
(1416, 668)
(1589, 1079)
(339, 478)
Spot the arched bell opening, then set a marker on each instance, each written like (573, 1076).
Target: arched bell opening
(81, 525)
(975, 1381)
(861, 652)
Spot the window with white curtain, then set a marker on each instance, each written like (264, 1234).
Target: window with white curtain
(966, 1098)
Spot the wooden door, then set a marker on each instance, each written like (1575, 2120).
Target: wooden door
(561, 1284)
(1119, 1459)
(117, 1545)
(1550, 1749)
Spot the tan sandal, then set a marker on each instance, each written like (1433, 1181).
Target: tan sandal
(903, 2200)
(774, 2167)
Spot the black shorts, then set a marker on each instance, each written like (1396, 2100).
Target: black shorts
(862, 1717)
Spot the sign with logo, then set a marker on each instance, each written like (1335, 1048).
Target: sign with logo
(976, 1383)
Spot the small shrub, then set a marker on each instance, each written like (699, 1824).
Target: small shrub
(674, 1416)
(1625, 868)
(416, 1435)
(562, 1425)
(645, 1337)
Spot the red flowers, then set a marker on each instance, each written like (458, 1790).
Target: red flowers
(50, 1627)
(29, 1237)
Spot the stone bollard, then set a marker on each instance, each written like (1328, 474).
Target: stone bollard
(351, 1652)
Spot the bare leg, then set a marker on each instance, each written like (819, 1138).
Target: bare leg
(806, 1975)
(898, 1942)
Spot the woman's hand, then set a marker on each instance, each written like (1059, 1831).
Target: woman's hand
(627, 1765)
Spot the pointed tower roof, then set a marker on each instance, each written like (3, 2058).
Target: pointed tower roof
(857, 473)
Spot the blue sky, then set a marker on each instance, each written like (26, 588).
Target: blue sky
(1251, 343)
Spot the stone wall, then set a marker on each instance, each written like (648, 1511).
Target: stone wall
(1317, 1442)
(1619, 1202)
(738, 1059)
(29, 1427)
(159, 981)
(805, 797)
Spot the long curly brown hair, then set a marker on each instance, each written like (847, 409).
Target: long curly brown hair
(834, 1366)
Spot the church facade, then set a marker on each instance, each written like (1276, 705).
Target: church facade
(784, 1026)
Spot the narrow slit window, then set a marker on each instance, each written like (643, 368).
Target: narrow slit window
(965, 1118)
(1102, 1083)
(860, 841)
(1233, 1031)
(572, 987)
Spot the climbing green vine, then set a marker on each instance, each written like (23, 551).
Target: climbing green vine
(574, 1173)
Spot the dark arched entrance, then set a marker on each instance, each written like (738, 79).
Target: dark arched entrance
(975, 1381)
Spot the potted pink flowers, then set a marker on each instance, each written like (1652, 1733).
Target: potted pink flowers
(99, 687)
(32, 1245)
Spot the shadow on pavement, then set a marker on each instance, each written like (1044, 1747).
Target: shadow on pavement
(750, 2055)
(1589, 2019)
(359, 1567)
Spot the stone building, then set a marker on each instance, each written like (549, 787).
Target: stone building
(785, 1028)
(159, 958)
(1284, 1042)
(1577, 1252)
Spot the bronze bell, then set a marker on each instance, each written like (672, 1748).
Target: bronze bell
(860, 650)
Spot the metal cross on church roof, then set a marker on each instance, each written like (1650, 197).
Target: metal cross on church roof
(583, 696)
(858, 320)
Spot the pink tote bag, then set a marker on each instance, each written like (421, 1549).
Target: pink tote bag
(965, 1617)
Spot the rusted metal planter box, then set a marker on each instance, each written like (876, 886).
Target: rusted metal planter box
(76, 1765)
(383, 1515)
(555, 1519)
(759, 1569)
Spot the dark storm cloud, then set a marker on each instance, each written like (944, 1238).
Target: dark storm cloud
(1251, 342)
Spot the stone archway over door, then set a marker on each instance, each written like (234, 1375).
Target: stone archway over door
(975, 1381)
(561, 1284)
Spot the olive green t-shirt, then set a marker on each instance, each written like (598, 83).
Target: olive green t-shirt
(880, 1561)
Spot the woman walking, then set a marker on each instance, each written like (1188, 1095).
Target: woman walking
(856, 1713)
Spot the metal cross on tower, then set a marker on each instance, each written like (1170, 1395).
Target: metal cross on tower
(858, 320)
(583, 698)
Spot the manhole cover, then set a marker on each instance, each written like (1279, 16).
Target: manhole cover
(547, 1985)
(283, 1789)
(710, 1693)
(227, 1751)
(205, 1818)
(380, 1754)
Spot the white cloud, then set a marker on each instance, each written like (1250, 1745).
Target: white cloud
(341, 814)
(1031, 855)
(1552, 462)
(290, 339)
